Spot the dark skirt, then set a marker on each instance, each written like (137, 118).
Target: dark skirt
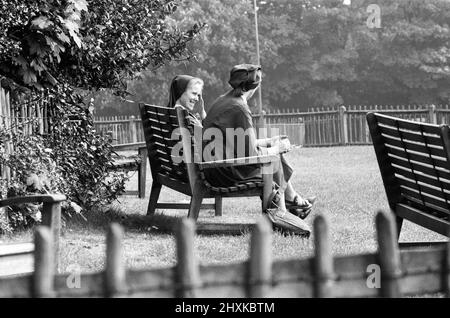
(233, 176)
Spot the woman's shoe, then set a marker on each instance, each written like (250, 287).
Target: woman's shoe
(294, 204)
(287, 223)
(302, 214)
(300, 210)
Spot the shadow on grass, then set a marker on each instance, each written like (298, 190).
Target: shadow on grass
(157, 223)
(100, 220)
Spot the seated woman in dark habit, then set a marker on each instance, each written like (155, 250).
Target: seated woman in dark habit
(230, 114)
(186, 91)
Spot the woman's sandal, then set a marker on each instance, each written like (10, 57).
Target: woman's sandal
(295, 205)
(302, 214)
(300, 210)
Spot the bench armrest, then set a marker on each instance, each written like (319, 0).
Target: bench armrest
(128, 147)
(243, 161)
(39, 198)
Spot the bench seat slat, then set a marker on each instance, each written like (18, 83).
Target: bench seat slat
(427, 199)
(160, 118)
(422, 178)
(167, 157)
(160, 125)
(162, 142)
(410, 125)
(157, 148)
(417, 167)
(174, 170)
(423, 158)
(418, 216)
(160, 109)
(173, 167)
(424, 188)
(161, 132)
(406, 135)
(414, 146)
(160, 128)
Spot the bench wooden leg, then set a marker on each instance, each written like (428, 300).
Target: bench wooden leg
(218, 206)
(51, 217)
(194, 207)
(142, 173)
(268, 186)
(154, 195)
(399, 223)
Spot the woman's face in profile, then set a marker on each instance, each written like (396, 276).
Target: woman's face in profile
(191, 95)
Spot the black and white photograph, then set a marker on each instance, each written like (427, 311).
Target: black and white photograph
(225, 154)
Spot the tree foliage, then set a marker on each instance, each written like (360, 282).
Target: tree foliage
(55, 52)
(87, 44)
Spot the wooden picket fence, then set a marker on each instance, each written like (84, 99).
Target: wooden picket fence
(124, 129)
(30, 114)
(387, 273)
(347, 125)
(344, 125)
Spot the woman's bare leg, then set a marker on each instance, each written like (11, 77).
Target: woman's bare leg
(290, 194)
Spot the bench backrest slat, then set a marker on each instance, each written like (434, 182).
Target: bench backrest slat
(159, 124)
(413, 158)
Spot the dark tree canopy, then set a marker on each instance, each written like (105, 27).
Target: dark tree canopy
(318, 52)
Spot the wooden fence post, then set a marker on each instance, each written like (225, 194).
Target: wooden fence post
(432, 116)
(43, 276)
(115, 271)
(343, 123)
(323, 259)
(187, 277)
(260, 263)
(132, 130)
(388, 255)
(5, 104)
(260, 123)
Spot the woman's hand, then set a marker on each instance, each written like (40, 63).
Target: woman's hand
(284, 145)
(281, 147)
(199, 108)
(277, 139)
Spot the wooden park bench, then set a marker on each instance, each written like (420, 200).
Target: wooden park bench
(184, 174)
(17, 258)
(414, 160)
(133, 163)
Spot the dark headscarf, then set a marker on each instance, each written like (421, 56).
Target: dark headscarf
(177, 88)
(245, 76)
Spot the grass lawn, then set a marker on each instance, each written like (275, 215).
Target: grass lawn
(346, 181)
